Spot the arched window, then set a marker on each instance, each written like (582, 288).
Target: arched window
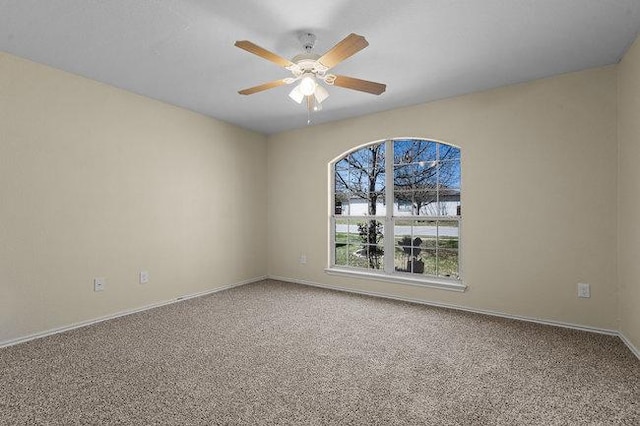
(397, 213)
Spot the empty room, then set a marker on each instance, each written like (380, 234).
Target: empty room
(295, 212)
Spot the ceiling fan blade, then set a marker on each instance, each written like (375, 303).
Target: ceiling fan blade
(361, 85)
(350, 45)
(263, 53)
(262, 87)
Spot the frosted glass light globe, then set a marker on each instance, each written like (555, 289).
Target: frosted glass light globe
(307, 85)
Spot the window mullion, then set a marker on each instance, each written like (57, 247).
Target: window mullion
(389, 197)
(332, 215)
(438, 209)
(332, 240)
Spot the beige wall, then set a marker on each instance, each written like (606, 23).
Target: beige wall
(98, 182)
(539, 192)
(629, 194)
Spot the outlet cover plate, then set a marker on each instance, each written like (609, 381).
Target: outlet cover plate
(144, 277)
(584, 290)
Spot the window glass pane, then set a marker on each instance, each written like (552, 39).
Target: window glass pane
(341, 250)
(411, 240)
(448, 234)
(342, 165)
(357, 259)
(428, 258)
(418, 187)
(353, 181)
(369, 158)
(402, 228)
(342, 231)
(369, 232)
(448, 152)
(448, 175)
(448, 264)
(426, 231)
(360, 183)
(341, 177)
(427, 247)
(414, 203)
(414, 151)
(404, 251)
(403, 205)
(342, 236)
(359, 243)
(416, 176)
(449, 203)
(371, 256)
(356, 206)
(417, 261)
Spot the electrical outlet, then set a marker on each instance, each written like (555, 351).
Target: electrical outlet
(584, 290)
(303, 259)
(144, 277)
(99, 284)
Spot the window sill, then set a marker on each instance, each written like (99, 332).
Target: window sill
(442, 284)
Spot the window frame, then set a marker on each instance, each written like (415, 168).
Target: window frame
(388, 272)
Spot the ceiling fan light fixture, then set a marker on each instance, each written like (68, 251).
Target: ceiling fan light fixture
(296, 94)
(308, 85)
(320, 94)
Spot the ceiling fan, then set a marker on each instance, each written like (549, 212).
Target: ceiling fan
(310, 69)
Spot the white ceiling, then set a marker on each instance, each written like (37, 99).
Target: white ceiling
(181, 51)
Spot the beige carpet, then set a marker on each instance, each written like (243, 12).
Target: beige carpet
(279, 353)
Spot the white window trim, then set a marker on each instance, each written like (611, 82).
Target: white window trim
(388, 274)
(399, 278)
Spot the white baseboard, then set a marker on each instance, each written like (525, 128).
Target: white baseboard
(57, 330)
(452, 306)
(630, 345)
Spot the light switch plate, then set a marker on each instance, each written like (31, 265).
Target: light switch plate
(99, 284)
